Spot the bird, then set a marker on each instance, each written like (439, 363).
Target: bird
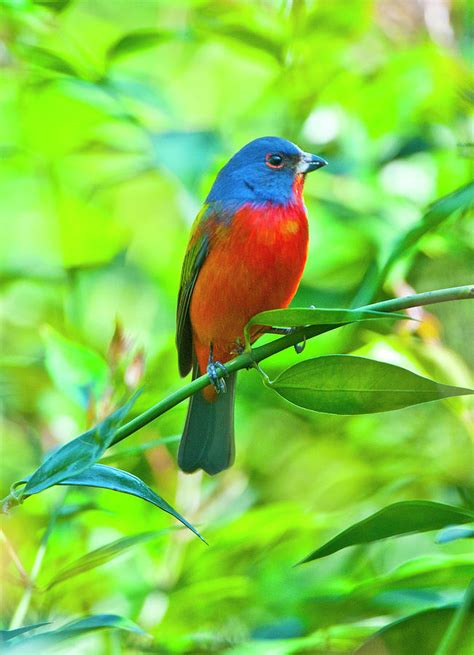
(246, 254)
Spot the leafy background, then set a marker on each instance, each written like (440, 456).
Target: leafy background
(115, 118)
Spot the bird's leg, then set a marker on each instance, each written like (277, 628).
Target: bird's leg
(238, 347)
(277, 330)
(212, 369)
(299, 347)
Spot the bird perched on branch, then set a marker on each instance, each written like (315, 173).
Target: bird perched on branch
(246, 254)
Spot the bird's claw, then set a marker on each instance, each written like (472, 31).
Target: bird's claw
(217, 382)
(238, 348)
(299, 347)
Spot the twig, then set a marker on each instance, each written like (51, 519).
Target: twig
(24, 604)
(256, 355)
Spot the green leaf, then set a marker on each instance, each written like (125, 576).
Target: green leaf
(426, 572)
(66, 512)
(78, 371)
(54, 5)
(461, 625)
(46, 59)
(454, 532)
(100, 621)
(251, 38)
(461, 199)
(425, 629)
(140, 448)
(6, 635)
(101, 555)
(406, 517)
(77, 455)
(138, 40)
(108, 477)
(301, 317)
(46, 640)
(345, 384)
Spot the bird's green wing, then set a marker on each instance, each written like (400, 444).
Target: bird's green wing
(195, 255)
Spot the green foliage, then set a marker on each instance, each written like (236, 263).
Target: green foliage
(134, 41)
(425, 629)
(114, 121)
(6, 635)
(108, 477)
(461, 200)
(77, 455)
(300, 316)
(344, 384)
(454, 532)
(100, 556)
(48, 640)
(408, 517)
(78, 371)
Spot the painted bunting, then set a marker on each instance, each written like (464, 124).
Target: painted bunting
(246, 254)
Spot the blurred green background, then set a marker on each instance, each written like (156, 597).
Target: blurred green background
(115, 117)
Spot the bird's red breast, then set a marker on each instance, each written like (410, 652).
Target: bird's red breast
(255, 262)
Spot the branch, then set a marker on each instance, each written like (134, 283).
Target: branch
(256, 355)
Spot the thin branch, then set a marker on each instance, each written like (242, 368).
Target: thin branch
(249, 359)
(14, 557)
(25, 600)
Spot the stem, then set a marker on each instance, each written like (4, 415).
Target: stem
(249, 359)
(135, 450)
(24, 604)
(14, 557)
(461, 616)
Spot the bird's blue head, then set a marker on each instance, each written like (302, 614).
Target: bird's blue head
(265, 170)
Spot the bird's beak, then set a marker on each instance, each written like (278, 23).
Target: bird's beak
(309, 162)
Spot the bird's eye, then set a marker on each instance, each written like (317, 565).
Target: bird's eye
(274, 161)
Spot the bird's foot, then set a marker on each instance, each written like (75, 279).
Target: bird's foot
(217, 382)
(212, 370)
(299, 347)
(282, 331)
(238, 347)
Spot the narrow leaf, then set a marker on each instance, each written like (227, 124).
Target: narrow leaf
(406, 517)
(245, 36)
(78, 454)
(75, 369)
(426, 572)
(345, 384)
(108, 477)
(424, 628)
(461, 199)
(6, 635)
(47, 59)
(462, 624)
(99, 621)
(46, 640)
(453, 533)
(303, 316)
(54, 5)
(66, 512)
(101, 556)
(140, 448)
(135, 41)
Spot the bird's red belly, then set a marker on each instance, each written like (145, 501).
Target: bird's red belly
(254, 264)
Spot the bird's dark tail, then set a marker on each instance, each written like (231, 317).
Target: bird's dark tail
(208, 436)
